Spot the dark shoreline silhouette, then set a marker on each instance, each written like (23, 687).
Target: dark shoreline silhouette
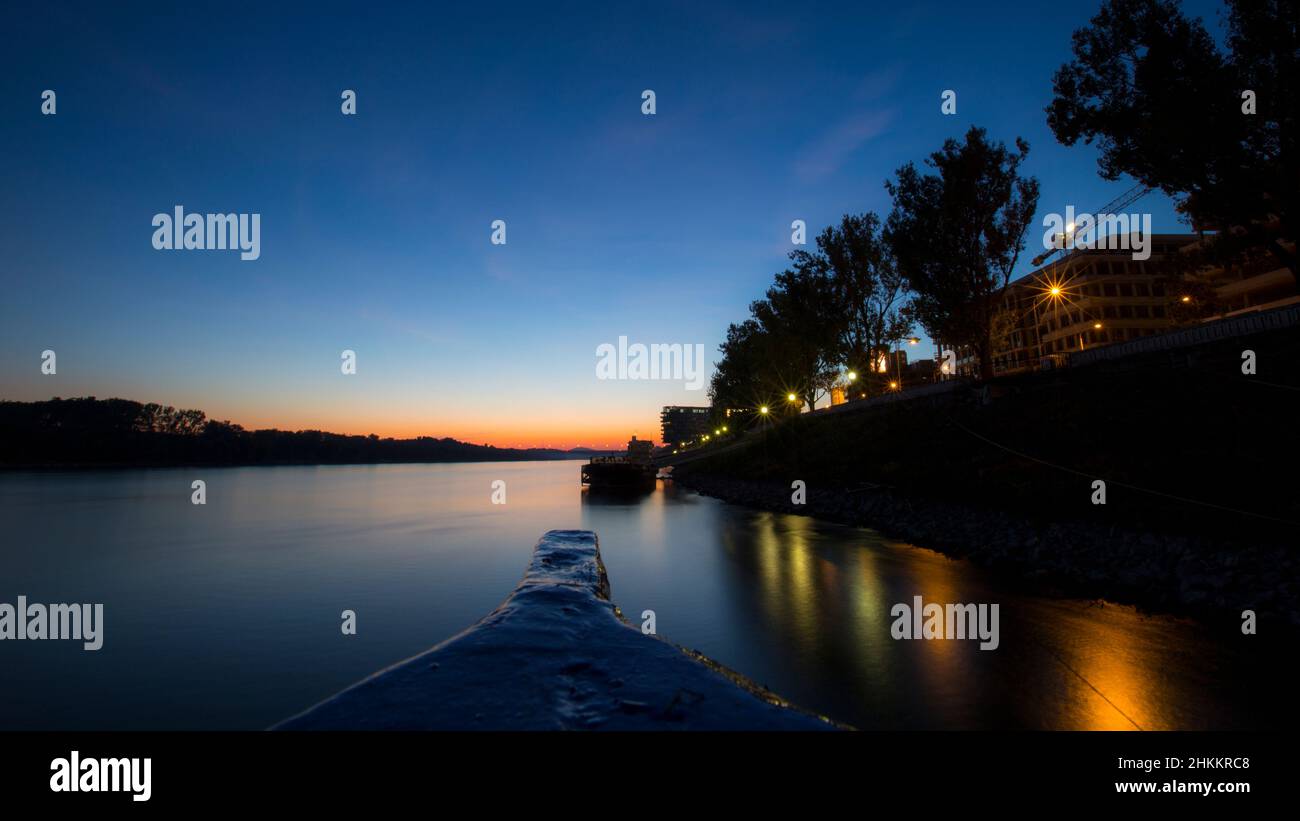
(97, 433)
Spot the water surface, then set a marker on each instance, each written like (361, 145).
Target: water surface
(227, 615)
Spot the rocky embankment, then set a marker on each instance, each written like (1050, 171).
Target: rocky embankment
(556, 655)
(1170, 574)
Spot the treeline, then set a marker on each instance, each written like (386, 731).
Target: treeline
(1212, 126)
(89, 431)
(941, 259)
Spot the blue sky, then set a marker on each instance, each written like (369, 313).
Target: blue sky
(375, 228)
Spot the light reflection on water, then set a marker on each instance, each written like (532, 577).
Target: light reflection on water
(228, 615)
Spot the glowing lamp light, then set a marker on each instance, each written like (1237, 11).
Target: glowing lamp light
(790, 397)
(853, 376)
(763, 410)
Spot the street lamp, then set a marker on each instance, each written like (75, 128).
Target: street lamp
(1053, 291)
(853, 376)
(763, 410)
(791, 397)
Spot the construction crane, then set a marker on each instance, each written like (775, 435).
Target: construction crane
(1124, 200)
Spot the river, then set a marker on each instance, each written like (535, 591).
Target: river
(228, 614)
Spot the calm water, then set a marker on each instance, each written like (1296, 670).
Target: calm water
(227, 615)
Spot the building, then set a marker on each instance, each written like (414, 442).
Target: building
(1097, 297)
(921, 372)
(1259, 284)
(1086, 298)
(639, 450)
(892, 364)
(683, 423)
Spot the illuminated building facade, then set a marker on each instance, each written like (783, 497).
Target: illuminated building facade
(1098, 297)
(683, 423)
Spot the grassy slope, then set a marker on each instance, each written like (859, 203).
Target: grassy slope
(1197, 429)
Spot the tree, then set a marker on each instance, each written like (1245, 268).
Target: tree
(738, 379)
(800, 319)
(866, 292)
(786, 346)
(957, 234)
(1169, 108)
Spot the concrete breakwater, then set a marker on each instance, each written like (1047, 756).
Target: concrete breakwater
(1173, 574)
(556, 655)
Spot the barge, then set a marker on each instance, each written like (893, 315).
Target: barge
(632, 471)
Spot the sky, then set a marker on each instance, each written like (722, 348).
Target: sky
(376, 228)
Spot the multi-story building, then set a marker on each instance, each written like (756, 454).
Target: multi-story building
(1257, 285)
(683, 423)
(1086, 298)
(1097, 297)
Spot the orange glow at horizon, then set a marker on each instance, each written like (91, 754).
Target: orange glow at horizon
(541, 432)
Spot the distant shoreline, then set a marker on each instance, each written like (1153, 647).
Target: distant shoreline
(87, 433)
(54, 467)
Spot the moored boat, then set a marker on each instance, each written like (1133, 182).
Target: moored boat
(632, 471)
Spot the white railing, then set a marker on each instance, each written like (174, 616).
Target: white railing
(1185, 337)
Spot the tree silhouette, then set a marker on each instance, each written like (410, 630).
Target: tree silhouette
(744, 378)
(957, 234)
(866, 292)
(1166, 106)
(797, 318)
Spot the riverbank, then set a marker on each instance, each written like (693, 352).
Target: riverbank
(1194, 520)
(1176, 575)
(557, 655)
